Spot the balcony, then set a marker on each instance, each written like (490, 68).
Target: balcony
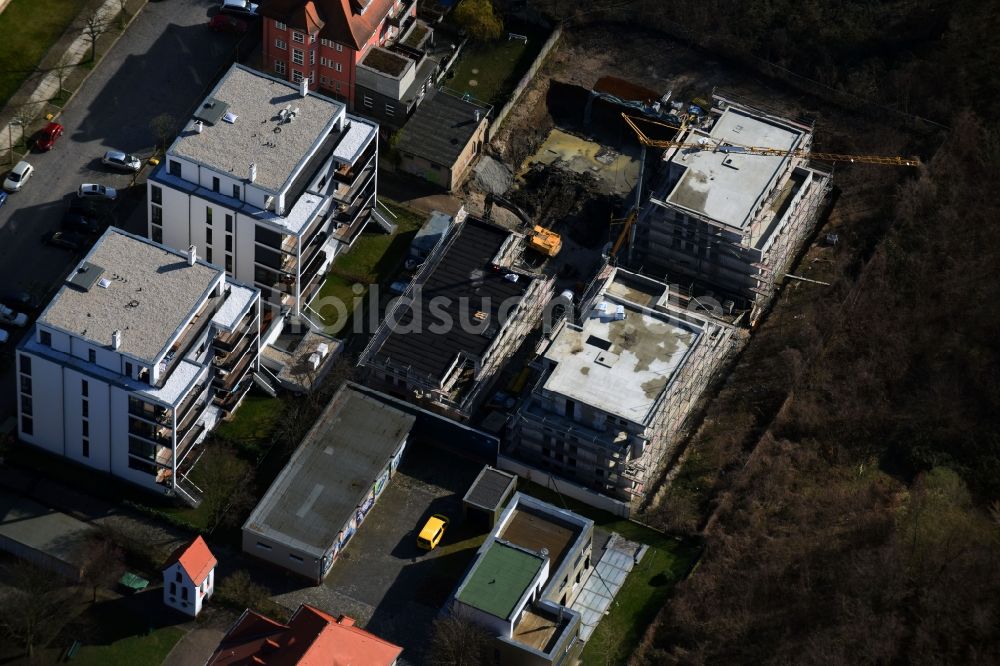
(228, 360)
(229, 403)
(193, 414)
(226, 381)
(157, 415)
(226, 342)
(351, 179)
(198, 325)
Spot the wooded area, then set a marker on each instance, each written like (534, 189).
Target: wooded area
(846, 479)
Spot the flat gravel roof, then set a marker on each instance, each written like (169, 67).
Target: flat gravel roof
(257, 135)
(150, 292)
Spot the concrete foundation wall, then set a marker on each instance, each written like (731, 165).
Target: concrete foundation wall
(564, 487)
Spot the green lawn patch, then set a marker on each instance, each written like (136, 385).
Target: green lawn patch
(645, 591)
(151, 648)
(29, 28)
(373, 259)
(489, 71)
(253, 423)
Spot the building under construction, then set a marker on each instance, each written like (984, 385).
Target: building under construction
(617, 385)
(464, 313)
(724, 221)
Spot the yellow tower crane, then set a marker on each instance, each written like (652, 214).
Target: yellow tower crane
(707, 144)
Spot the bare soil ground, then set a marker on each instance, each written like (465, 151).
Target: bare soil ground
(587, 53)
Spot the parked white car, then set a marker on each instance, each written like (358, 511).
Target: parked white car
(18, 176)
(9, 317)
(94, 191)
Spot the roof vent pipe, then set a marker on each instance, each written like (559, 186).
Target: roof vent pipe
(304, 87)
(253, 172)
(478, 115)
(192, 255)
(116, 340)
(198, 126)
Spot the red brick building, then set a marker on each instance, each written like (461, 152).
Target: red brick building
(324, 40)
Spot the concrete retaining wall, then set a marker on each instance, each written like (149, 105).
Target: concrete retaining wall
(564, 487)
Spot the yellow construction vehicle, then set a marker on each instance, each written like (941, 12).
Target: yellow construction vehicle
(545, 241)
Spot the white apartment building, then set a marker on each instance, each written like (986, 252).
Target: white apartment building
(133, 361)
(269, 181)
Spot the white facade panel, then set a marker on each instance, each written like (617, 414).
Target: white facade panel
(46, 389)
(176, 206)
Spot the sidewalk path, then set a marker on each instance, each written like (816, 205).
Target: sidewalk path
(195, 647)
(605, 581)
(49, 86)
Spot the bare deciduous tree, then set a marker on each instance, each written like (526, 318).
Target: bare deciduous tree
(33, 607)
(164, 127)
(94, 25)
(104, 564)
(457, 641)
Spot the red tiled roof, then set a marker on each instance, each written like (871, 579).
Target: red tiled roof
(338, 20)
(195, 558)
(311, 638)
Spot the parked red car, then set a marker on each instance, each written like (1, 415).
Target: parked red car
(225, 23)
(47, 137)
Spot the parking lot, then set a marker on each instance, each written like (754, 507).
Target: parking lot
(382, 579)
(162, 64)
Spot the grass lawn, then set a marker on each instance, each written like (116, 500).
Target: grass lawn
(489, 71)
(29, 28)
(373, 259)
(647, 587)
(645, 591)
(149, 649)
(254, 421)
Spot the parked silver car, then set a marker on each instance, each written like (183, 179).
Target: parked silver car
(94, 191)
(18, 176)
(116, 159)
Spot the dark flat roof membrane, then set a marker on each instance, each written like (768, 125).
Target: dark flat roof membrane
(211, 111)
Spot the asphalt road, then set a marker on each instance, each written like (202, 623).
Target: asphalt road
(164, 63)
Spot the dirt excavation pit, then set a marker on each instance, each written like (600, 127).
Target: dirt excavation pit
(614, 173)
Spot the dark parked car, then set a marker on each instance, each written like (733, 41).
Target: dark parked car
(16, 299)
(47, 137)
(85, 207)
(224, 23)
(241, 7)
(80, 223)
(65, 239)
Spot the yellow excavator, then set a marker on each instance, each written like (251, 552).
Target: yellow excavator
(540, 239)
